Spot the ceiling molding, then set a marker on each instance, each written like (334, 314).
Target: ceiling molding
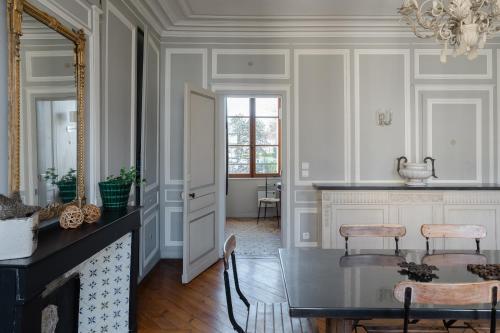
(231, 33)
(176, 19)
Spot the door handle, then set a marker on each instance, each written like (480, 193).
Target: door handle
(192, 195)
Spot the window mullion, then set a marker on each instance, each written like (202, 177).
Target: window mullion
(252, 138)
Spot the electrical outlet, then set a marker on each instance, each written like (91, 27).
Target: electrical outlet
(305, 173)
(306, 235)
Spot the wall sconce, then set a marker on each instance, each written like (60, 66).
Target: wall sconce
(384, 118)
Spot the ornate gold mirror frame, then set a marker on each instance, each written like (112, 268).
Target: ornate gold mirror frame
(16, 8)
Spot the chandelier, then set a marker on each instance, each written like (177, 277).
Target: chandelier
(460, 25)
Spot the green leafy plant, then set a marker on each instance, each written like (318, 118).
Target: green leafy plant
(126, 177)
(52, 177)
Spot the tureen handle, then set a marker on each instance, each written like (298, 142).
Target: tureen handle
(433, 169)
(399, 163)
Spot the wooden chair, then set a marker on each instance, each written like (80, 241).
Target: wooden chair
(470, 231)
(372, 230)
(409, 292)
(261, 317)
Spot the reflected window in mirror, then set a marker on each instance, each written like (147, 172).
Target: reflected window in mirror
(48, 115)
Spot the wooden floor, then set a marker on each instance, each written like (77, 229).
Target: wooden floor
(165, 305)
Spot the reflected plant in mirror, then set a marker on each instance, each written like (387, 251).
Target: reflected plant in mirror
(66, 184)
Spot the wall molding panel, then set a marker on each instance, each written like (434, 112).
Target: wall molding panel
(168, 225)
(168, 112)
(152, 185)
(405, 53)
(298, 212)
(487, 75)
(264, 52)
(153, 218)
(346, 112)
(111, 9)
(31, 55)
(479, 146)
(488, 88)
(313, 192)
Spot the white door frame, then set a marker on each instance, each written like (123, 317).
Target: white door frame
(282, 90)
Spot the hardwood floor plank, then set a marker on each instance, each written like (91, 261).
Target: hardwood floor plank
(165, 305)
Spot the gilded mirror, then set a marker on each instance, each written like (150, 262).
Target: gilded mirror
(46, 100)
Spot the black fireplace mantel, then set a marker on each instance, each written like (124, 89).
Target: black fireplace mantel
(22, 281)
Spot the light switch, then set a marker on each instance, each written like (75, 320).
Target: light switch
(305, 165)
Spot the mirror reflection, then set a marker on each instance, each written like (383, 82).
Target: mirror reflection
(48, 115)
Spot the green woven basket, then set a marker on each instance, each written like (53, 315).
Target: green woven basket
(114, 195)
(67, 191)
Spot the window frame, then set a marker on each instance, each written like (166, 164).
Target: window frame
(253, 145)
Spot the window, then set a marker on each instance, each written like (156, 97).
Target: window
(253, 136)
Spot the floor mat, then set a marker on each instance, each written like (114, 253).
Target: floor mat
(254, 240)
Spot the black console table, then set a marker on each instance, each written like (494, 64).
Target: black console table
(23, 282)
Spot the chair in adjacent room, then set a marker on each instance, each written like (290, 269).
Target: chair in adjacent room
(395, 231)
(276, 201)
(261, 317)
(476, 232)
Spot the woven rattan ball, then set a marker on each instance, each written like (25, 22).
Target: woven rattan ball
(91, 213)
(71, 217)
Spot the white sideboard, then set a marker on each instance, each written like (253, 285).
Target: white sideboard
(411, 208)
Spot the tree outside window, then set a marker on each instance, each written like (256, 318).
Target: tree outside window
(253, 136)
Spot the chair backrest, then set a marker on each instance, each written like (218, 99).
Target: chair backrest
(470, 231)
(229, 248)
(372, 230)
(409, 292)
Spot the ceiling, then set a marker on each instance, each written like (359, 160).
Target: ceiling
(270, 17)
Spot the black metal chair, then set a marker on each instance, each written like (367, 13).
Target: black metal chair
(261, 317)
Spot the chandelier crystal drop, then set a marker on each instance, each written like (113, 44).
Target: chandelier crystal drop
(460, 25)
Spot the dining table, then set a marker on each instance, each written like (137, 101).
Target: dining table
(358, 284)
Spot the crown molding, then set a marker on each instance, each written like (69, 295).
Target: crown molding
(192, 32)
(176, 19)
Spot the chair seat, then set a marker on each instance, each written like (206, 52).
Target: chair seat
(272, 200)
(396, 326)
(275, 318)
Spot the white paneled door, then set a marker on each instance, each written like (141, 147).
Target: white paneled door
(201, 214)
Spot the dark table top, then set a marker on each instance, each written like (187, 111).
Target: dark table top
(326, 283)
(398, 186)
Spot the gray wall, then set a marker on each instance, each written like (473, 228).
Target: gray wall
(337, 85)
(241, 201)
(4, 139)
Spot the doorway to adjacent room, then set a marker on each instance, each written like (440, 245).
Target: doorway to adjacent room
(254, 160)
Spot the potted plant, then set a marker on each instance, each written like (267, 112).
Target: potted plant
(115, 190)
(66, 184)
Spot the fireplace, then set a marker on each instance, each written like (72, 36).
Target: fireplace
(59, 306)
(80, 280)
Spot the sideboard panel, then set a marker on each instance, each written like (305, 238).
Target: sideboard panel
(358, 214)
(411, 209)
(486, 215)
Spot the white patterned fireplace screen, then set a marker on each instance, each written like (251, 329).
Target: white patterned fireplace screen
(105, 289)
